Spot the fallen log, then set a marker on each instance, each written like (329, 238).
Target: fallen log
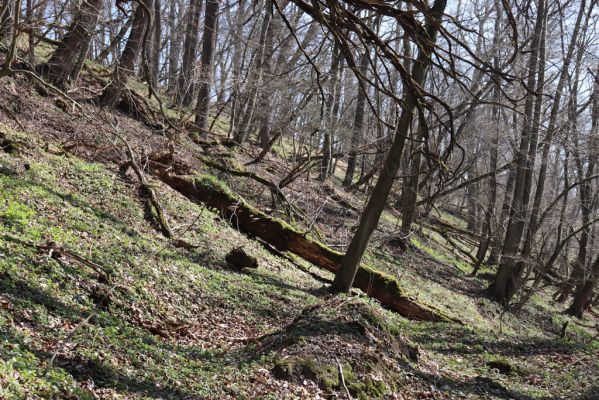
(206, 189)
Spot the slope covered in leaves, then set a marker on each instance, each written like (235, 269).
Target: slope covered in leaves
(171, 322)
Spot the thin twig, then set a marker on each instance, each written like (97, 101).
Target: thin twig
(342, 379)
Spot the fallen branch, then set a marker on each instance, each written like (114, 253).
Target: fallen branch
(145, 186)
(249, 220)
(56, 251)
(153, 201)
(458, 247)
(342, 379)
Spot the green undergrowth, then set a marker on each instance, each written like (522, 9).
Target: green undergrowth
(178, 323)
(170, 315)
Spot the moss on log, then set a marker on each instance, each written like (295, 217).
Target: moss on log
(208, 190)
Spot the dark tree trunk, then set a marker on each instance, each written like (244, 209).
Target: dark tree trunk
(63, 66)
(125, 66)
(186, 88)
(207, 66)
(584, 293)
(369, 220)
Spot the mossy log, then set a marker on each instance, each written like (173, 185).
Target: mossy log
(206, 189)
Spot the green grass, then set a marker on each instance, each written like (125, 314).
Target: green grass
(94, 213)
(179, 323)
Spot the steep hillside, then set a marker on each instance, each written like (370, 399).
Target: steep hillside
(96, 303)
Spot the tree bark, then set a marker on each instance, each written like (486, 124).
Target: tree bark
(344, 278)
(281, 236)
(333, 88)
(186, 88)
(503, 288)
(125, 66)
(64, 65)
(207, 65)
(358, 125)
(583, 295)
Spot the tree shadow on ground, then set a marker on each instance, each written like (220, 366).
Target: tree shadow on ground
(464, 341)
(479, 386)
(446, 276)
(82, 368)
(23, 294)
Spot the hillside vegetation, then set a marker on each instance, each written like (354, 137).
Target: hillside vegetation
(95, 301)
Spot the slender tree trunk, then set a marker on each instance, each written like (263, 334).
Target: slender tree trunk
(186, 88)
(532, 152)
(577, 279)
(495, 256)
(358, 122)
(333, 88)
(503, 288)
(31, 33)
(115, 41)
(264, 95)
(486, 236)
(207, 66)
(368, 221)
(155, 45)
(6, 21)
(555, 108)
(255, 78)
(175, 46)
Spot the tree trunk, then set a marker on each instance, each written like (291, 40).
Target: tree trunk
(207, 65)
(155, 45)
(125, 66)
(6, 21)
(587, 205)
(503, 288)
(115, 41)
(175, 45)
(368, 221)
(283, 238)
(486, 236)
(264, 95)
(255, 78)
(584, 293)
(358, 121)
(333, 88)
(186, 88)
(63, 65)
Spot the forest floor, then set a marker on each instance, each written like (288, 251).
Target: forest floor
(96, 303)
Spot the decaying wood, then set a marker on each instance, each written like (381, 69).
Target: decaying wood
(251, 221)
(148, 191)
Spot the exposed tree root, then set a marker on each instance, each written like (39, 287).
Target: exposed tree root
(137, 106)
(208, 190)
